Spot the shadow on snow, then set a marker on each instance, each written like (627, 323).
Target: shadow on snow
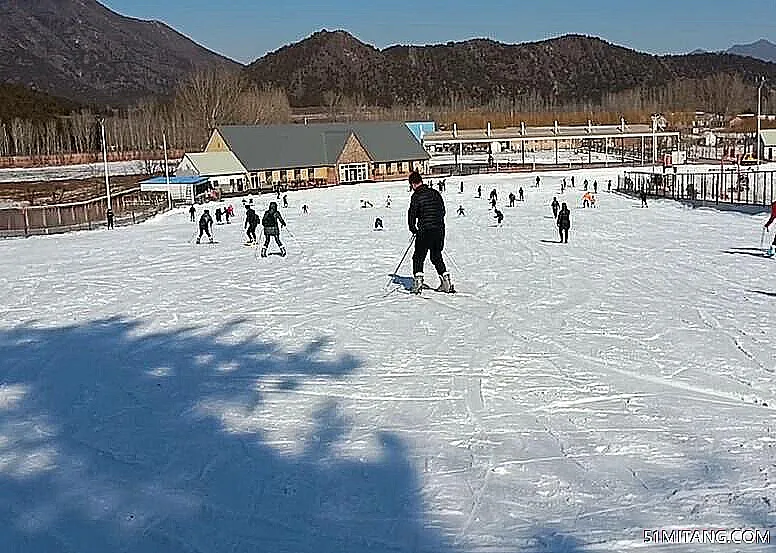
(116, 440)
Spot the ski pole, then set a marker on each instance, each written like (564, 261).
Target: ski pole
(396, 271)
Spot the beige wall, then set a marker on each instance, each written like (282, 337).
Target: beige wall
(353, 152)
(216, 143)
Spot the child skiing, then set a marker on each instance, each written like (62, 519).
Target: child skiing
(460, 211)
(511, 199)
(499, 217)
(272, 221)
(251, 222)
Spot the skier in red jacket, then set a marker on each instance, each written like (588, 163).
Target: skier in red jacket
(772, 249)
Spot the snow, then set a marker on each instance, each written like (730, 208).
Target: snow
(159, 396)
(84, 171)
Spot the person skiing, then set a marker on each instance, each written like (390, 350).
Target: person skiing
(643, 196)
(511, 199)
(218, 215)
(426, 220)
(461, 192)
(609, 186)
(563, 185)
(251, 222)
(493, 203)
(499, 217)
(192, 212)
(555, 207)
(595, 187)
(493, 194)
(479, 191)
(772, 250)
(205, 224)
(378, 224)
(538, 180)
(109, 217)
(520, 194)
(285, 200)
(572, 182)
(564, 223)
(304, 209)
(584, 185)
(587, 200)
(228, 212)
(272, 220)
(461, 211)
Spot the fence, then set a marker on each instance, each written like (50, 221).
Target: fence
(129, 207)
(747, 187)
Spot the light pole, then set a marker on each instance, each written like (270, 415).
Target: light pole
(105, 161)
(654, 141)
(167, 170)
(759, 99)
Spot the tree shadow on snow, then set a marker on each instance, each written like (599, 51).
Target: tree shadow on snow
(112, 439)
(116, 439)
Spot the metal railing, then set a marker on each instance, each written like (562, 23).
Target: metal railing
(719, 186)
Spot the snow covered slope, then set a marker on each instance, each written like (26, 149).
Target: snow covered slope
(159, 396)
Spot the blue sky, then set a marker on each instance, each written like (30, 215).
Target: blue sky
(247, 29)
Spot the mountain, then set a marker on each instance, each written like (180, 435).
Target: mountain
(761, 50)
(81, 50)
(572, 68)
(18, 101)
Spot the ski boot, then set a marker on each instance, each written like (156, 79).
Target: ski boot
(212, 241)
(417, 284)
(197, 240)
(771, 251)
(445, 285)
(263, 252)
(282, 251)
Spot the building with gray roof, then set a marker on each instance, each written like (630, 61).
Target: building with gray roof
(326, 154)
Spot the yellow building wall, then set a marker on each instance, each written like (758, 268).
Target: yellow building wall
(216, 143)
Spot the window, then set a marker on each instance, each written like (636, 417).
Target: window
(354, 172)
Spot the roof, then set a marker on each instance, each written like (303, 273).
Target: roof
(216, 163)
(260, 147)
(769, 138)
(176, 180)
(545, 133)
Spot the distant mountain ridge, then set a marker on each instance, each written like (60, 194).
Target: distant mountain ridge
(330, 65)
(81, 50)
(760, 49)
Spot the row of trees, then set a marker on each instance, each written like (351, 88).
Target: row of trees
(205, 100)
(218, 97)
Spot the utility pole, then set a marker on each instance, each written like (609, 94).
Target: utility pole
(759, 115)
(105, 160)
(167, 170)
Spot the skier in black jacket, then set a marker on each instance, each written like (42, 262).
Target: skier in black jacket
(426, 219)
(555, 207)
(205, 224)
(251, 222)
(564, 223)
(272, 220)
